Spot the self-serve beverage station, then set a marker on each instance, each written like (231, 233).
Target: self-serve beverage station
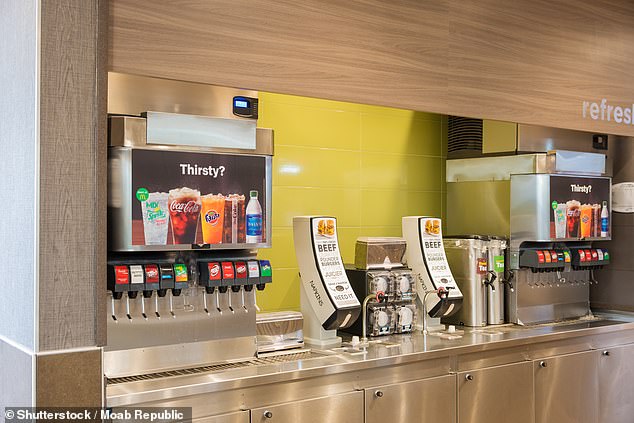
(553, 208)
(189, 207)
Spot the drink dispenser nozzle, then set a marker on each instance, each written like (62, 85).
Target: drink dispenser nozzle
(241, 281)
(210, 278)
(560, 279)
(489, 281)
(181, 278)
(166, 283)
(253, 279)
(118, 283)
(509, 280)
(228, 280)
(591, 279)
(266, 274)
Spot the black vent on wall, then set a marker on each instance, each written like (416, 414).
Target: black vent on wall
(464, 137)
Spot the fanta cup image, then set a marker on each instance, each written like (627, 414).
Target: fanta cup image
(212, 218)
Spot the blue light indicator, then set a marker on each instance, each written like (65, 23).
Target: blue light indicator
(241, 103)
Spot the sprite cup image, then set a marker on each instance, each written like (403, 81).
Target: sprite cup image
(155, 218)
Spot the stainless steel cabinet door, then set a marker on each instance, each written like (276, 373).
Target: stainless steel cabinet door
(344, 408)
(616, 373)
(566, 389)
(237, 417)
(496, 394)
(427, 400)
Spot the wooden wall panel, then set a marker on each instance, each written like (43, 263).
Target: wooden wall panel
(72, 288)
(370, 51)
(537, 61)
(525, 61)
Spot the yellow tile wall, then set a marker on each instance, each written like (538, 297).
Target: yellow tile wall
(366, 165)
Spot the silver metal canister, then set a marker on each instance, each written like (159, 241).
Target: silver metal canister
(495, 288)
(467, 258)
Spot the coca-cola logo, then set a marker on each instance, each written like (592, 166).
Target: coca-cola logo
(212, 217)
(214, 270)
(241, 269)
(152, 273)
(182, 207)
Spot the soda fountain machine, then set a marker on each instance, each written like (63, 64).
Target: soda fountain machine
(553, 207)
(189, 206)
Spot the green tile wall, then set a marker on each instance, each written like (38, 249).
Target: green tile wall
(366, 165)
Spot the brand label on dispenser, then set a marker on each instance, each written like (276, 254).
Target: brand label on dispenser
(600, 254)
(241, 270)
(122, 275)
(151, 273)
(254, 269)
(482, 266)
(329, 263)
(553, 257)
(136, 274)
(167, 272)
(540, 257)
(214, 271)
(180, 272)
(498, 264)
(227, 270)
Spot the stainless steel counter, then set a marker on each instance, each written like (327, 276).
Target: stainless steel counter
(493, 345)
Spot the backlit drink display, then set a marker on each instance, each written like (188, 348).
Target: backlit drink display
(155, 218)
(576, 206)
(192, 200)
(212, 218)
(184, 208)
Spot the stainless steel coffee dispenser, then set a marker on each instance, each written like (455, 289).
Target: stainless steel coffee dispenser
(467, 258)
(477, 263)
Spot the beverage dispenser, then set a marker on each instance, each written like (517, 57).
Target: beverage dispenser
(553, 207)
(189, 207)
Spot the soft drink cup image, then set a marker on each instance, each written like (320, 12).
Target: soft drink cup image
(184, 208)
(155, 218)
(573, 214)
(586, 220)
(596, 221)
(234, 220)
(560, 220)
(212, 215)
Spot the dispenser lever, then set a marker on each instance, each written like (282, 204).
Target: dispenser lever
(489, 282)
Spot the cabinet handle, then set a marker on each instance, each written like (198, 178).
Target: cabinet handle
(268, 414)
(606, 353)
(543, 364)
(378, 394)
(468, 376)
